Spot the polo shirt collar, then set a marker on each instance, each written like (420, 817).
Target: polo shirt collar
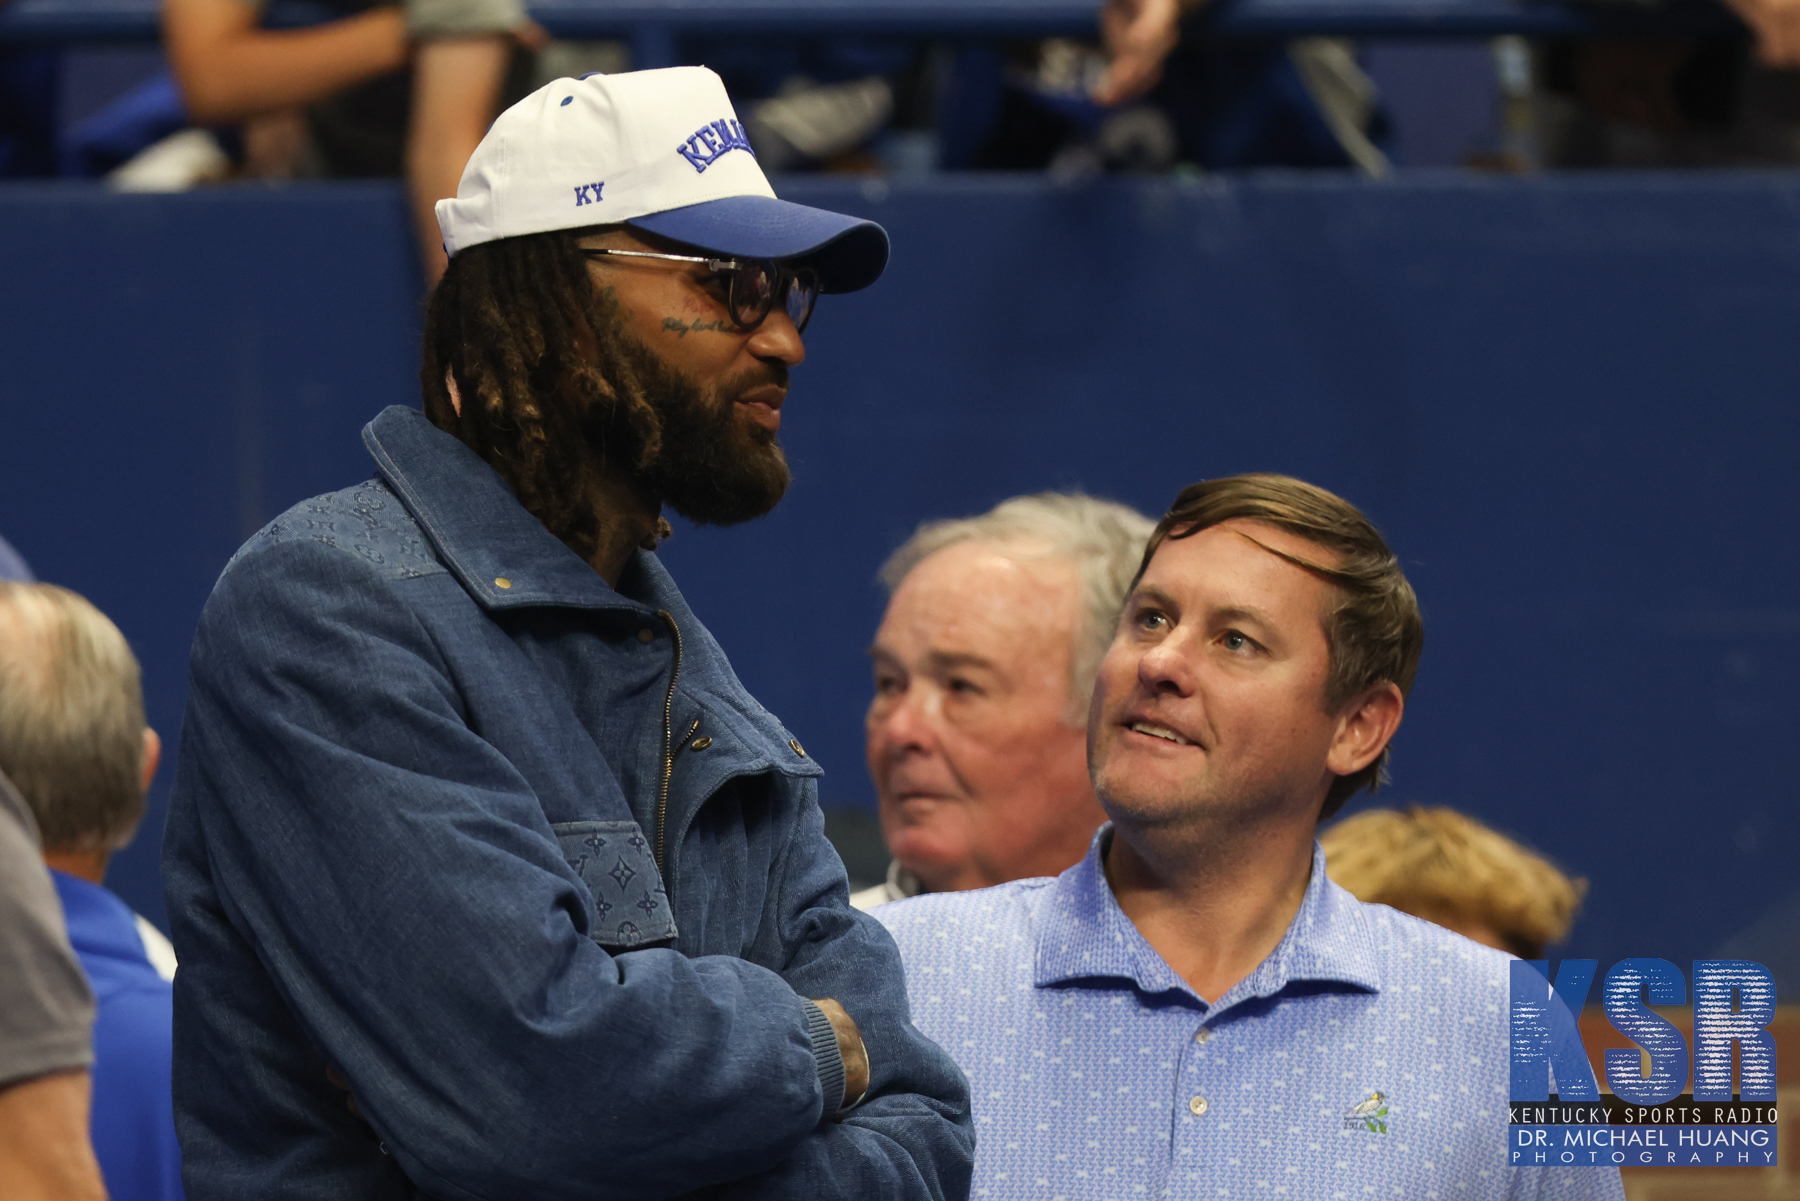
(1084, 935)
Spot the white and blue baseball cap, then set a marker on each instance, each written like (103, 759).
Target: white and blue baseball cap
(661, 151)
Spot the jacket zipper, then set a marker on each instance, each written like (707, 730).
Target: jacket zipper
(662, 800)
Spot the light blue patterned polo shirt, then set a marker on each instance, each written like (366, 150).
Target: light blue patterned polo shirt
(1366, 1057)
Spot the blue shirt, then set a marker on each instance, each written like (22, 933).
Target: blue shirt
(1365, 1057)
(133, 1117)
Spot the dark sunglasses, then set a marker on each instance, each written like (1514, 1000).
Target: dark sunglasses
(755, 285)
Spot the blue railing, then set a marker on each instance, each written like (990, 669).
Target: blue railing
(655, 27)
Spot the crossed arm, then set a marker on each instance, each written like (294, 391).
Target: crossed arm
(434, 958)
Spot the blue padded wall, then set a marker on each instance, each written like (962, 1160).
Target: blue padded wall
(177, 370)
(1568, 402)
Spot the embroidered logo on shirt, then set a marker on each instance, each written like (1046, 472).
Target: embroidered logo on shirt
(1368, 1116)
(712, 142)
(588, 193)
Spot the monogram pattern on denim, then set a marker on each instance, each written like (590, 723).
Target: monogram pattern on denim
(630, 908)
(367, 521)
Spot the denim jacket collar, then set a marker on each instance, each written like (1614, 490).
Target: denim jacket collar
(483, 535)
(478, 528)
(1085, 935)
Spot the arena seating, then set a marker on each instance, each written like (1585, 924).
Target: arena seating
(654, 28)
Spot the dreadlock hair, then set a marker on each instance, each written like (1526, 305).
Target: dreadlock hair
(544, 374)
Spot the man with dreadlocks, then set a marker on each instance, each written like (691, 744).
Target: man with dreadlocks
(488, 878)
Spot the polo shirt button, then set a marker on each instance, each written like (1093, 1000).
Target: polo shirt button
(1196, 1105)
(1202, 1035)
(646, 635)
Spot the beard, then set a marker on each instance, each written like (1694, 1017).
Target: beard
(712, 465)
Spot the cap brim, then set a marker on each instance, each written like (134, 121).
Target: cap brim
(849, 253)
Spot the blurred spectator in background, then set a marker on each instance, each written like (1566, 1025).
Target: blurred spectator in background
(1138, 35)
(45, 1012)
(28, 76)
(1157, 92)
(1453, 871)
(984, 662)
(74, 742)
(1713, 101)
(13, 565)
(1776, 24)
(382, 90)
(819, 103)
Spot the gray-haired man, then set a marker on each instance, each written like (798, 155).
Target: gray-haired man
(74, 743)
(984, 664)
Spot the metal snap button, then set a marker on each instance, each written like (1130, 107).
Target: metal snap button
(701, 744)
(798, 749)
(646, 635)
(502, 582)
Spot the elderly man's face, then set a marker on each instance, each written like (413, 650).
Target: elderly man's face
(980, 777)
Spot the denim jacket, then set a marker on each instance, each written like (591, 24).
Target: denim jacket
(516, 858)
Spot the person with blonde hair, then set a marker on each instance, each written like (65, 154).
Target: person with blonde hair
(1451, 870)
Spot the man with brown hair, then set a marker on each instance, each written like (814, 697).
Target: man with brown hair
(488, 877)
(1195, 1009)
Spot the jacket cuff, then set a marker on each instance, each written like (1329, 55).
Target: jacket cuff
(830, 1059)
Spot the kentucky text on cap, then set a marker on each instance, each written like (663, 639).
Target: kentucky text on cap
(661, 151)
